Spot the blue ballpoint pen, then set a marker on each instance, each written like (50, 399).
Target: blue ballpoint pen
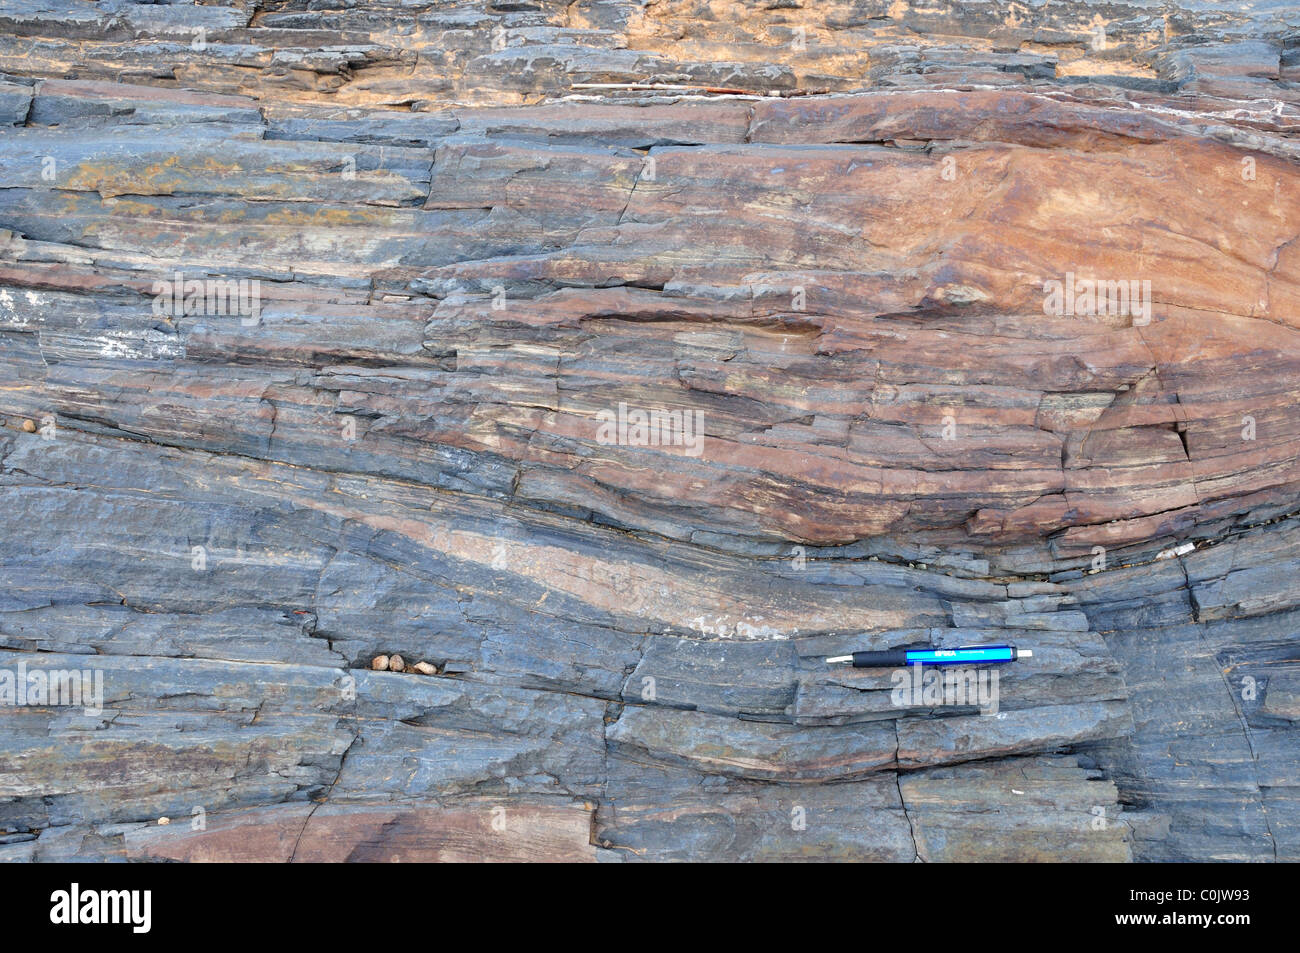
(927, 655)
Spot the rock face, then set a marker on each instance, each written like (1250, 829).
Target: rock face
(618, 363)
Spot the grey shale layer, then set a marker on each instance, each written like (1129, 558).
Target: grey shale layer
(825, 230)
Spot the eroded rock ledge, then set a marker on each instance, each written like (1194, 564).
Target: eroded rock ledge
(477, 228)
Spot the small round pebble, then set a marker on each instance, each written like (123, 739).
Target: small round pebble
(29, 426)
(425, 668)
(396, 664)
(380, 663)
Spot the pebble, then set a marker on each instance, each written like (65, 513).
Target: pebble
(29, 426)
(379, 663)
(425, 668)
(396, 664)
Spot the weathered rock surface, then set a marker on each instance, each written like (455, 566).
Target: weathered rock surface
(828, 231)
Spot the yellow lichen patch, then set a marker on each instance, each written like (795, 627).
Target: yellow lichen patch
(110, 178)
(132, 208)
(316, 215)
(1088, 66)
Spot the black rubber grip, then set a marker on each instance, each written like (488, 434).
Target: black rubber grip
(889, 658)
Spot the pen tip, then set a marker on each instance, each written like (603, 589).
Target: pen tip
(1024, 653)
(839, 660)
